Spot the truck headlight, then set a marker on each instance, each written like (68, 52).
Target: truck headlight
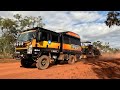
(29, 50)
(22, 43)
(19, 44)
(14, 44)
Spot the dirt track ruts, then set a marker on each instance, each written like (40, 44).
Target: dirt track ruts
(107, 67)
(76, 71)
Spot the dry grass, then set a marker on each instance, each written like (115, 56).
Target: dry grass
(8, 60)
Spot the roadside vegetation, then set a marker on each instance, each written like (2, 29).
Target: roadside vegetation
(11, 27)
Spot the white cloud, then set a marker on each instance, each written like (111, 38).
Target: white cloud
(96, 29)
(81, 22)
(7, 14)
(85, 16)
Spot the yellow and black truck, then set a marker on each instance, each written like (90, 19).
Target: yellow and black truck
(42, 46)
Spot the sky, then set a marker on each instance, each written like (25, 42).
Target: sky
(88, 24)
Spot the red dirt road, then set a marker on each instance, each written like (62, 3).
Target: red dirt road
(76, 71)
(104, 68)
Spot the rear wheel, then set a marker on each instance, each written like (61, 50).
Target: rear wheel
(71, 59)
(43, 62)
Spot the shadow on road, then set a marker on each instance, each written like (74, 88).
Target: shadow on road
(105, 68)
(51, 64)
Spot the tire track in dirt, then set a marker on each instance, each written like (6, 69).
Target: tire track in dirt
(14, 71)
(106, 67)
(9, 67)
(9, 64)
(78, 70)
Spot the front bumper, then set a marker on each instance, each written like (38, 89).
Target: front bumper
(19, 54)
(22, 54)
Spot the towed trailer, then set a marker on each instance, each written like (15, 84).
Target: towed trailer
(89, 50)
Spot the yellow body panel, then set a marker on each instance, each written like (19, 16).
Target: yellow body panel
(55, 45)
(43, 44)
(34, 43)
(27, 44)
(84, 46)
(20, 48)
(70, 47)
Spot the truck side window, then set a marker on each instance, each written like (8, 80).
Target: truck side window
(54, 38)
(66, 39)
(75, 41)
(39, 35)
(44, 36)
(72, 40)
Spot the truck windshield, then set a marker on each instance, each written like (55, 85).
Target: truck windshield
(27, 36)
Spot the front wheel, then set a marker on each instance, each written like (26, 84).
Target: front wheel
(43, 62)
(26, 63)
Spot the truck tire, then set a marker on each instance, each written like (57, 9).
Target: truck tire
(26, 63)
(71, 59)
(43, 62)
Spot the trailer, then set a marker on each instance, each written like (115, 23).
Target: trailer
(89, 50)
